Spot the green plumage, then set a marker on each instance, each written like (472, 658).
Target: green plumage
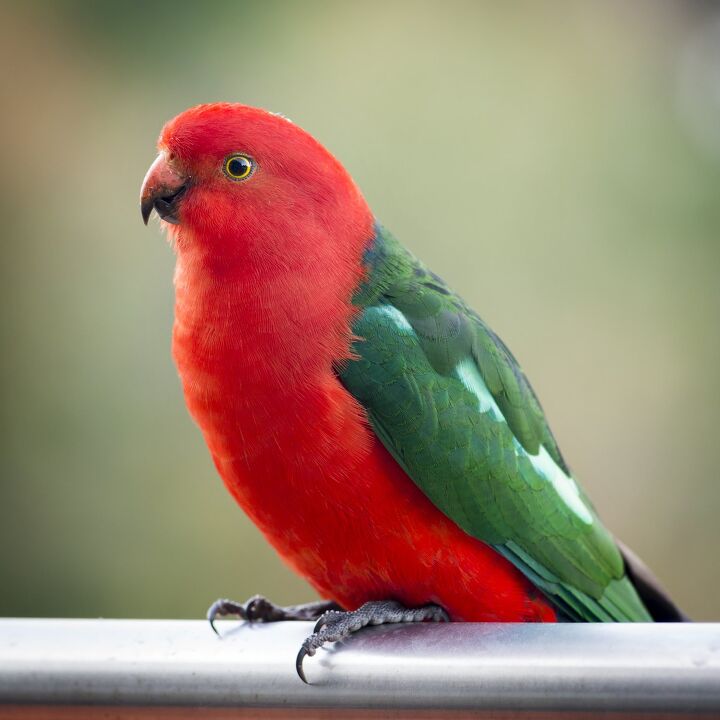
(451, 404)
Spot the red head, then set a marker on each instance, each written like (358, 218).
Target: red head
(270, 232)
(242, 185)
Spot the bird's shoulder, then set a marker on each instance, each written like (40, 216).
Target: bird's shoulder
(401, 295)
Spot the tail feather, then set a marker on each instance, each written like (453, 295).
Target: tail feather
(653, 595)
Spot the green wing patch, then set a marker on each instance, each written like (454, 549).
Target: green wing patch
(449, 401)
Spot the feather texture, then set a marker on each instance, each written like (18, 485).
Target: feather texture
(379, 434)
(451, 404)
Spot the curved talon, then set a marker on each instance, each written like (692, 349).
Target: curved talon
(299, 664)
(223, 607)
(212, 612)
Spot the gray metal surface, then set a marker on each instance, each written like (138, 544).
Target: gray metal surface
(515, 667)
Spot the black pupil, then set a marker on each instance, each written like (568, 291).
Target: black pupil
(238, 166)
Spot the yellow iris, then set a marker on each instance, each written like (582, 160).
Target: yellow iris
(238, 167)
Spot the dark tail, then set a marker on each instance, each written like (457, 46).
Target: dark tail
(656, 599)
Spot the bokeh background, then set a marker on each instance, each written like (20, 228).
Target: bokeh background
(557, 162)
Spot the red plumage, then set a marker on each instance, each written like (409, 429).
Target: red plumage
(264, 279)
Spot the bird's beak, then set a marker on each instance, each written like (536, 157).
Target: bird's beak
(162, 189)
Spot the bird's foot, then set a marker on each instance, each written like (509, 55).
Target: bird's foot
(336, 625)
(260, 609)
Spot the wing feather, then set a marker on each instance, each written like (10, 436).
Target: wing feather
(453, 407)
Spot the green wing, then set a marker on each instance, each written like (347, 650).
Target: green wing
(449, 401)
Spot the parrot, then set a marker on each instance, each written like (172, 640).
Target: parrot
(380, 435)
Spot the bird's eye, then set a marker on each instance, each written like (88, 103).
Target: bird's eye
(238, 167)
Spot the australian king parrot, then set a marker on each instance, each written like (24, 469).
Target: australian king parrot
(380, 435)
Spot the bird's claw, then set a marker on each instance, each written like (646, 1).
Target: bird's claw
(332, 623)
(226, 608)
(335, 625)
(299, 662)
(259, 609)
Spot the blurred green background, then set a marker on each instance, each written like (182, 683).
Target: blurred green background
(557, 162)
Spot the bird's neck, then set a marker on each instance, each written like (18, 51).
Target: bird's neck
(253, 340)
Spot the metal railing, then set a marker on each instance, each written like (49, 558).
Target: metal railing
(409, 669)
